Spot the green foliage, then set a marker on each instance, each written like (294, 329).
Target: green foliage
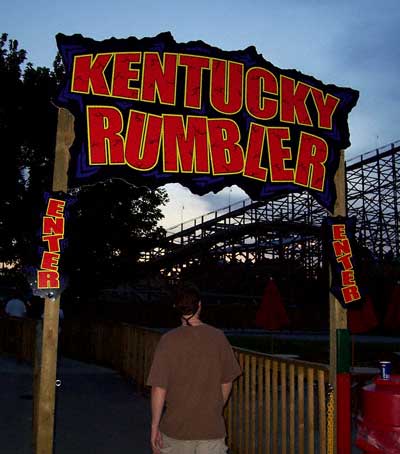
(109, 223)
(11, 178)
(109, 226)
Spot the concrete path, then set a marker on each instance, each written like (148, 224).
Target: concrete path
(97, 411)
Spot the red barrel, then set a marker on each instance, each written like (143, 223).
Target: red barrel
(379, 427)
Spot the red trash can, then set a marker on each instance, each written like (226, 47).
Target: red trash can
(378, 429)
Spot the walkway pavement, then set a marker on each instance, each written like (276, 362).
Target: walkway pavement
(97, 411)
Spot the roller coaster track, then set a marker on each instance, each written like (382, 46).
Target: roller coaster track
(288, 226)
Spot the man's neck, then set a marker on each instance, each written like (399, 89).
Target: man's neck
(194, 321)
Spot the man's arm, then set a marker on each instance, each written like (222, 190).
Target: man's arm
(157, 405)
(226, 390)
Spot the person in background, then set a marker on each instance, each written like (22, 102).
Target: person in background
(192, 373)
(15, 307)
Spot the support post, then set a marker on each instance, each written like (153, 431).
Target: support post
(45, 389)
(37, 360)
(339, 375)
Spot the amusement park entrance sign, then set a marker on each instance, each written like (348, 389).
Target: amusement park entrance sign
(153, 111)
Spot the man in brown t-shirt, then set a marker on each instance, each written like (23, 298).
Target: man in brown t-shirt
(192, 372)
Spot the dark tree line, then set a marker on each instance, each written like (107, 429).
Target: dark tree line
(109, 223)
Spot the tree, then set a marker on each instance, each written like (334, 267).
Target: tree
(11, 176)
(109, 222)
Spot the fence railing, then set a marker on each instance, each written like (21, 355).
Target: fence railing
(17, 338)
(277, 406)
(126, 348)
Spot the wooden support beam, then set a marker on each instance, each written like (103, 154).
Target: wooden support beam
(47, 378)
(45, 390)
(338, 314)
(37, 360)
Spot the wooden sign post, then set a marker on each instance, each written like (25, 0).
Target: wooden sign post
(339, 375)
(45, 395)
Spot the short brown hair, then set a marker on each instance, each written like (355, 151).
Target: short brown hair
(187, 298)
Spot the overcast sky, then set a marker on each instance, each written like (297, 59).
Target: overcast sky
(352, 43)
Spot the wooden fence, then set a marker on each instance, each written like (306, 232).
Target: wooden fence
(17, 338)
(277, 406)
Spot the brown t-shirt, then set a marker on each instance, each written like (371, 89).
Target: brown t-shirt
(191, 363)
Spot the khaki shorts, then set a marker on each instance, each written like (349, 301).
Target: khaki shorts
(172, 446)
